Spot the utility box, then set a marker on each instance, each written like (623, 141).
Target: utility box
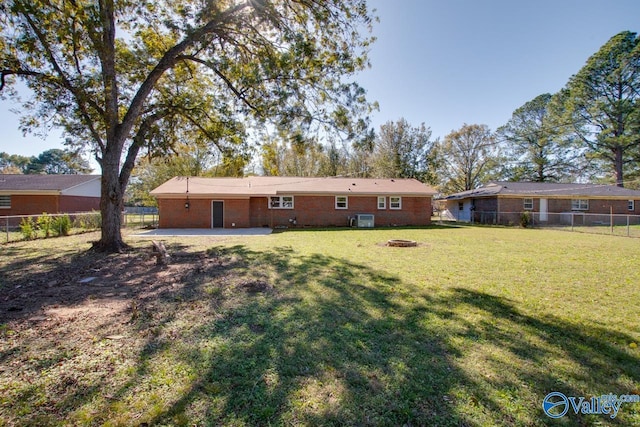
(365, 221)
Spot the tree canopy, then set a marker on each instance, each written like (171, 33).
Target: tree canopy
(533, 145)
(121, 76)
(469, 158)
(602, 103)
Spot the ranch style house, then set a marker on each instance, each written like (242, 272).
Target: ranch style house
(258, 201)
(35, 194)
(504, 202)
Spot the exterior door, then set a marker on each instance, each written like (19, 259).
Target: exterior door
(217, 214)
(544, 210)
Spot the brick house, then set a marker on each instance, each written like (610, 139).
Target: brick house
(291, 201)
(35, 194)
(504, 202)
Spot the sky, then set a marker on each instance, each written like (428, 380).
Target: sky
(445, 63)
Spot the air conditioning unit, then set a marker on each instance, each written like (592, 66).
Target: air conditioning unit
(364, 221)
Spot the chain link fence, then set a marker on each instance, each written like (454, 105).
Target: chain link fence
(612, 224)
(28, 227)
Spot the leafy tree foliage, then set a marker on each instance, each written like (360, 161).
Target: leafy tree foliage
(185, 160)
(121, 75)
(469, 158)
(14, 163)
(602, 103)
(404, 151)
(57, 161)
(533, 145)
(54, 161)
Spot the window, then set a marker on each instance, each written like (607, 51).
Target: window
(395, 202)
(382, 202)
(579, 204)
(281, 202)
(5, 202)
(528, 204)
(342, 202)
(460, 206)
(632, 205)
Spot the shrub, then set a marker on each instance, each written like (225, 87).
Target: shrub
(525, 219)
(62, 225)
(44, 223)
(28, 228)
(88, 221)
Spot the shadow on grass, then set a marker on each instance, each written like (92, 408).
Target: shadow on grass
(275, 337)
(329, 342)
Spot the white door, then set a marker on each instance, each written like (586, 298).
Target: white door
(544, 210)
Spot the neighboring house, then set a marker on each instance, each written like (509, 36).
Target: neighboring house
(35, 194)
(292, 201)
(504, 202)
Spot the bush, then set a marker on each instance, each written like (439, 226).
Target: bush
(62, 225)
(525, 219)
(28, 228)
(88, 221)
(44, 223)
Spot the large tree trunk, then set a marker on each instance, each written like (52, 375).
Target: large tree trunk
(111, 204)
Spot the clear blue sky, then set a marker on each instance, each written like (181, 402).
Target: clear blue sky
(450, 62)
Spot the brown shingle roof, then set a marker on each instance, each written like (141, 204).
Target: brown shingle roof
(269, 185)
(43, 183)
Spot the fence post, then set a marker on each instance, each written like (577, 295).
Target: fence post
(572, 214)
(7, 228)
(611, 218)
(628, 231)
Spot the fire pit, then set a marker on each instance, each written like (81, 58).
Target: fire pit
(398, 243)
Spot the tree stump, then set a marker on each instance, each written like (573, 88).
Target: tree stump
(160, 252)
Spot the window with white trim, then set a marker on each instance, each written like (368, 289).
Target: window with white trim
(631, 205)
(395, 202)
(281, 202)
(527, 204)
(342, 202)
(382, 202)
(5, 202)
(579, 204)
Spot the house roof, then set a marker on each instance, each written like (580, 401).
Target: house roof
(270, 185)
(42, 183)
(545, 189)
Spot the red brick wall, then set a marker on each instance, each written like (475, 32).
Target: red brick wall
(596, 206)
(32, 205)
(320, 211)
(173, 214)
(79, 204)
(316, 211)
(510, 208)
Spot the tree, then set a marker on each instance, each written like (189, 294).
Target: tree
(57, 161)
(116, 74)
(403, 151)
(14, 163)
(185, 160)
(533, 145)
(469, 157)
(602, 103)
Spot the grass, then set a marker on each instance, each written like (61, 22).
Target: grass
(474, 326)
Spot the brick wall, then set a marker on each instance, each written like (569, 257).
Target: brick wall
(79, 204)
(596, 206)
(31, 205)
(173, 214)
(510, 208)
(315, 211)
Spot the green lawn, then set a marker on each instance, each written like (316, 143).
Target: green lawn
(474, 326)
